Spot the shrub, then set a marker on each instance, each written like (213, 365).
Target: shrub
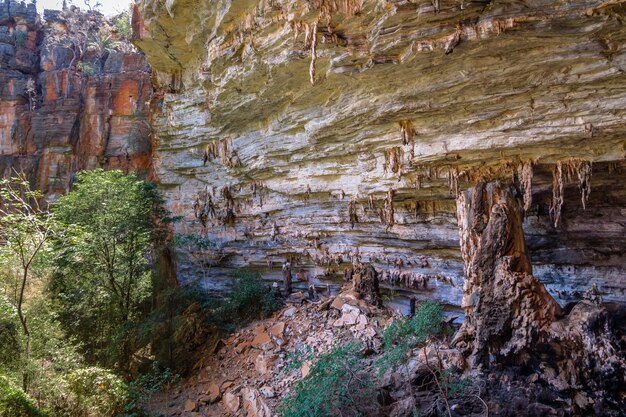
(337, 384)
(98, 391)
(20, 38)
(10, 345)
(250, 299)
(407, 333)
(142, 388)
(86, 68)
(14, 402)
(123, 26)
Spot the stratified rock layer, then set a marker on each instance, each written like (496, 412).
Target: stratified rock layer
(54, 118)
(328, 132)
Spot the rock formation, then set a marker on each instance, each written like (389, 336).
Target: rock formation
(326, 135)
(343, 132)
(64, 106)
(507, 308)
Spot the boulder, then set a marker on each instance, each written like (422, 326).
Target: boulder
(232, 402)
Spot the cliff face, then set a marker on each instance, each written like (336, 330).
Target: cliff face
(59, 111)
(326, 131)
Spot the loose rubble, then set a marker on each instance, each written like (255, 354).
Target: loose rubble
(250, 373)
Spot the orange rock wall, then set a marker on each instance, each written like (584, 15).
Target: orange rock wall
(56, 120)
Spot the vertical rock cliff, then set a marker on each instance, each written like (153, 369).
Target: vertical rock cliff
(327, 132)
(64, 105)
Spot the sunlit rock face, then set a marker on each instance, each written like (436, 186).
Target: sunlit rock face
(334, 131)
(56, 120)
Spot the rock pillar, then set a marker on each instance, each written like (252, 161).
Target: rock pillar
(506, 308)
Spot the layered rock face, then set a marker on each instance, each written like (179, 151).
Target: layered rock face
(327, 132)
(59, 113)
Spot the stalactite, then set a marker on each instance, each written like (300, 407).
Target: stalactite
(407, 132)
(313, 54)
(326, 8)
(453, 181)
(387, 212)
(583, 172)
(352, 212)
(307, 36)
(525, 172)
(229, 216)
(222, 150)
(557, 194)
(203, 207)
(393, 160)
(436, 6)
(565, 172)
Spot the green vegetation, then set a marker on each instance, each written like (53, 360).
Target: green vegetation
(250, 299)
(102, 44)
(86, 68)
(407, 333)
(77, 282)
(337, 384)
(91, 321)
(122, 25)
(97, 391)
(102, 283)
(14, 402)
(141, 389)
(341, 381)
(20, 38)
(25, 230)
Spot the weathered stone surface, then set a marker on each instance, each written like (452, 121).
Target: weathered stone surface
(253, 403)
(410, 103)
(506, 308)
(55, 119)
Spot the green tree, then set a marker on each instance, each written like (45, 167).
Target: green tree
(25, 230)
(112, 226)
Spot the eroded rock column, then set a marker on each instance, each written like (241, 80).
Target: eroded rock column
(507, 309)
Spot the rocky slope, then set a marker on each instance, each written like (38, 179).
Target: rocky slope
(254, 370)
(329, 131)
(64, 106)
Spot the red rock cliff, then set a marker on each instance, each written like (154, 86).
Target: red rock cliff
(72, 97)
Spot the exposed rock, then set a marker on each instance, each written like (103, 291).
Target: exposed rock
(253, 404)
(365, 280)
(262, 341)
(506, 308)
(214, 393)
(264, 363)
(190, 405)
(232, 402)
(411, 103)
(55, 118)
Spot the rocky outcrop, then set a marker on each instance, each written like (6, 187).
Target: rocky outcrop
(511, 319)
(506, 307)
(327, 133)
(65, 106)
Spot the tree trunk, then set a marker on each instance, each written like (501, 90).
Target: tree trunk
(506, 308)
(20, 314)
